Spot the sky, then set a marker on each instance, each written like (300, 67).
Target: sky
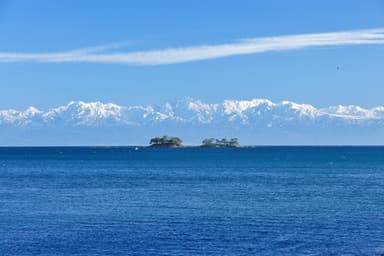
(148, 52)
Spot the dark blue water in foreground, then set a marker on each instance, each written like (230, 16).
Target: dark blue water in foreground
(260, 201)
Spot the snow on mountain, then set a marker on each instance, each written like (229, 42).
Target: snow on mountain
(81, 113)
(350, 112)
(378, 112)
(188, 111)
(20, 118)
(244, 109)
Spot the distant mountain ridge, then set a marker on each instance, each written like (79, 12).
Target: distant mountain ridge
(245, 112)
(244, 116)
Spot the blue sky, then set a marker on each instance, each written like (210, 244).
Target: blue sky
(306, 75)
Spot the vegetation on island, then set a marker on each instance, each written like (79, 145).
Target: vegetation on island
(220, 143)
(166, 142)
(176, 142)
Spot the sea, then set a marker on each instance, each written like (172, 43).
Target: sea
(191, 201)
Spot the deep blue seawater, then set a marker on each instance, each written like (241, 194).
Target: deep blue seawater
(248, 201)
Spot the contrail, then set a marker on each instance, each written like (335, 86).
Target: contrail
(202, 52)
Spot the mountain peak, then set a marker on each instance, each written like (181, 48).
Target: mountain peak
(188, 110)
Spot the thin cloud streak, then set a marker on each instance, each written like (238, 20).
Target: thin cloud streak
(202, 52)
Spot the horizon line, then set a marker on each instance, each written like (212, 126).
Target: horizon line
(195, 145)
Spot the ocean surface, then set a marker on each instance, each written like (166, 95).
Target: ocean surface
(192, 201)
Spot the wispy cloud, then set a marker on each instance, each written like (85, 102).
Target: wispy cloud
(202, 52)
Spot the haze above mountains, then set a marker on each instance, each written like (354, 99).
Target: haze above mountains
(254, 122)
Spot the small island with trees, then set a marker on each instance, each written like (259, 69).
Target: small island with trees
(176, 142)
(166, 142)
(220, 143)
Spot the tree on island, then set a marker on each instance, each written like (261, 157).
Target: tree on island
(165, 141)
(220, 143)
(209, 142)
(234, 142)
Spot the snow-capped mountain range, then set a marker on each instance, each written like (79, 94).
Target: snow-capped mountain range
(245, 116)
(243, 112)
